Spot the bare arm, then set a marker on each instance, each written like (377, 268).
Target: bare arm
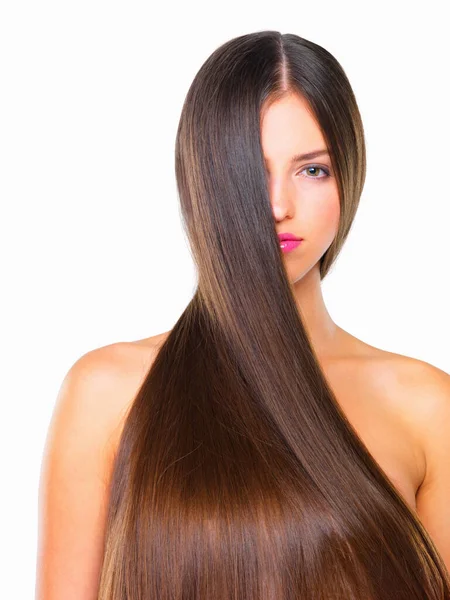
(433, 496)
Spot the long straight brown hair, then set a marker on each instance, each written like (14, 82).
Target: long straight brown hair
(238, 476)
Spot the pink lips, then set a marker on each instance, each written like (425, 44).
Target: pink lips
(288, 241)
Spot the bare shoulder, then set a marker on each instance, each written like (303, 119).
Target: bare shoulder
(378, 386)
(92, 402)
(426, 395)
(119, 369)
(419, 394)
(420, 388)
(412, 381)
(102, 384)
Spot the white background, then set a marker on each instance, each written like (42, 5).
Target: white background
(92, 247)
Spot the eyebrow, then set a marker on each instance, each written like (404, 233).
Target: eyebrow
(306, 156)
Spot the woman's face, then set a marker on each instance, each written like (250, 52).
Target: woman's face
(303, 191)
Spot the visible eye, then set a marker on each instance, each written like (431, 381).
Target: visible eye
(316, 168)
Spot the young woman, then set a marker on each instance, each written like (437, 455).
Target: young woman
(257, 450)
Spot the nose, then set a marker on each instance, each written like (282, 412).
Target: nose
(281, 198)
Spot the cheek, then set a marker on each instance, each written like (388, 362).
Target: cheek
(324, 214)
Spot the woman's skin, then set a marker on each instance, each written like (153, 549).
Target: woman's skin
(399, 406)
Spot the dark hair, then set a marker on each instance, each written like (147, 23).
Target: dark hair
(238, 475)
